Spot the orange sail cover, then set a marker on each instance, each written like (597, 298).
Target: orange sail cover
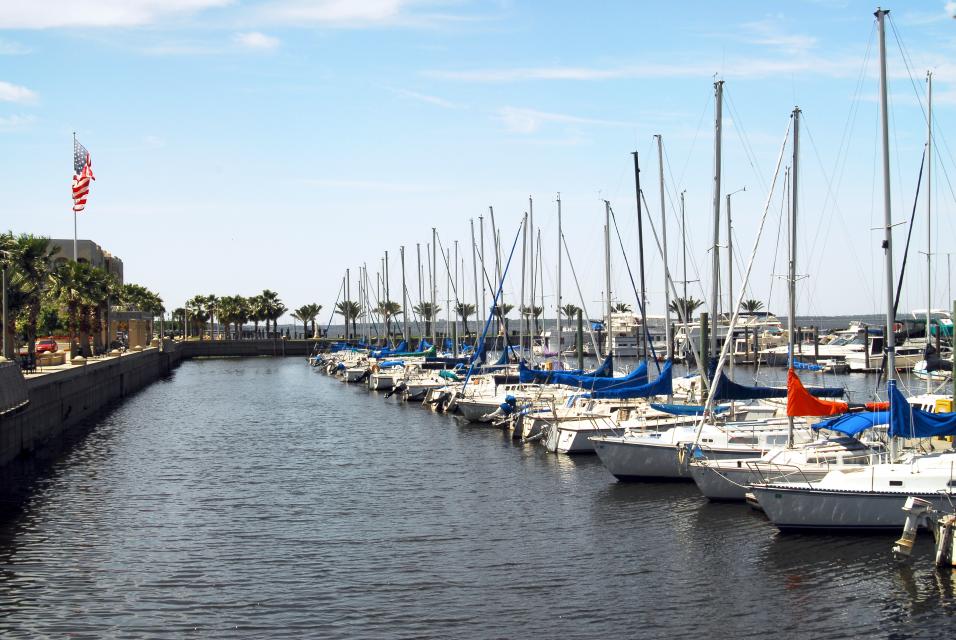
(801, 403)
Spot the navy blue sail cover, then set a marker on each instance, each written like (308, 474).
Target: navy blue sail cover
(585, 380)
(727, 389)
(907, 421)
(685, 409)
(543, 376)
(663, 386)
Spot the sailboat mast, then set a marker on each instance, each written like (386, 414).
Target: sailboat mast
(558, 304)
(792, 271)
(474, 269)
(531, 263)
(715, 255)
(929, 218)
(607, 275)
(683, 232)
(667, 274)
(524, 263)
(889, 339)
(481, 228)
(640, 254)
(433, 314)
(404, 298)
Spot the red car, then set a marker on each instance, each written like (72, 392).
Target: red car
(46, 345)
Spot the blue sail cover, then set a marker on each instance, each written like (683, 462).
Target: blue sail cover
(386, 364)
(806, 366)
(540, 376)
(853, 423)
(593, 383)
(907, 421)
(663, 386)
(384, 353)
(727, 389)
(480, 355)
(685, 409)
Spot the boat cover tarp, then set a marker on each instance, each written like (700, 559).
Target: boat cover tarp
(448, 375)
(387, 364)
(384, 353)
(663, 386)
(543, 376)
(801, 403)
(595, 383)
(503, 357)
(727, 389)
(428, 353)
(806, 366)
(853, 423)
(684, 409)
(907, 421)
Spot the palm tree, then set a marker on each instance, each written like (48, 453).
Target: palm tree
(751, 306)
(300, 315)
(311, 313)
(272, 309)
(503, 310)
(31, 259)
(463, 310)
(69, 288)
(428, 314)
(621, 307)
(196, 307)
(533, 312)
(388, 309)
(257, 312)
(349, 310)
(570, 311)
(684, 308)
(180, 314)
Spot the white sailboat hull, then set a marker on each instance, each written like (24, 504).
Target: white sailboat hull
(815, 508)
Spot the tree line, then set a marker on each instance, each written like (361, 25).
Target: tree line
(75, 298)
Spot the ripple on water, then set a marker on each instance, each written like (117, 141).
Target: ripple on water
(260, 498)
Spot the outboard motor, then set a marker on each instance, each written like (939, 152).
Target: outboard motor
(401, 386)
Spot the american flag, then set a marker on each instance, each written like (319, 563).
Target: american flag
(82, 174)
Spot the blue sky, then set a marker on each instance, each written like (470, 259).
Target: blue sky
(248, 145)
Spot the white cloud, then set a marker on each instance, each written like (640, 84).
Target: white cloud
(519, 120)
(11, 48)
(749, 67)
(770, 33)
(951, 8)
(423, 97)
(154, 142)
(97, 13)
(342, 12)
(15, 122)
(256, 40)
(15, 93)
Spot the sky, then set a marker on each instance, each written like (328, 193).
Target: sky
(243, 145)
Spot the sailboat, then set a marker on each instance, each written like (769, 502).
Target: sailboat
(872, 497)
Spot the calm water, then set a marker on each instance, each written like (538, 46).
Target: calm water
(259, 498)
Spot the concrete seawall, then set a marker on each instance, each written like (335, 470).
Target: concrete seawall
(61, 399)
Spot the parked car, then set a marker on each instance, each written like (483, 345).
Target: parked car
(46, 345)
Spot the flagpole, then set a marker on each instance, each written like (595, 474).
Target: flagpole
(75, 256)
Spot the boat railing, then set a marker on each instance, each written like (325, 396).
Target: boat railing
(774, 472)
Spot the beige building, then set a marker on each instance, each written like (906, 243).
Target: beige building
(89, 252)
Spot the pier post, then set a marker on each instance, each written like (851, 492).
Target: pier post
(816, 343)
(866, 347)
(579, 339)
(747, 345)
(704, 342)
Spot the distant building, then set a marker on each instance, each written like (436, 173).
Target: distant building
(89, 252)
